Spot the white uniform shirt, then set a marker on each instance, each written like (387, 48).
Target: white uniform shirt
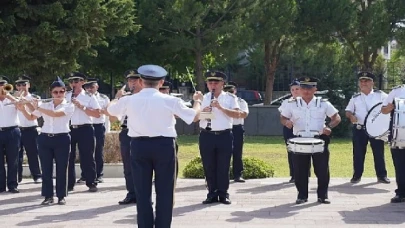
(221, 121)
(79, 117)
(56, 125)
(360, 104)
(24, 122)
(243, 107)
(397, 92)
(151, 113)
(311, 116)
(8, 114)
(103, 101)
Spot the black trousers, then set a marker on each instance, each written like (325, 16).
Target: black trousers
(56, 148)
(157, 155)
(398, 157)
(238, 140)
(9, 145)
(99, 133)
(29, 145)
(360, 141)
(321, 168)
(216, 151)
(125, 147)
(83, 137)
(287, 134)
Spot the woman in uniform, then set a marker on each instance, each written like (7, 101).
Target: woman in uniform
(54, 140)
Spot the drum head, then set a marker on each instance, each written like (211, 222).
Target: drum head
(376, 123)
(305, 141)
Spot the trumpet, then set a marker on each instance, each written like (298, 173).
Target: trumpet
(7, 88)
(27, 101)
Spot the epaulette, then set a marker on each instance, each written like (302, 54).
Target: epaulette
(239, 99)
(46, 101)
(35, 96)
(103, 96)
(231, 94)
(324, 99)
(356, 95)
(397, 87)
(291, 100)
(88, 94)
(377, 91)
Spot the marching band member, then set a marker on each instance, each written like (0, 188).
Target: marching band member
(310, 112)
(54, 140)
(216, 138)
(238, 134)
(29, 133)
(398, 154)
(288, 132)
(91, 86)
(82, 131)
(133, 81)
(356, 111)
(152, 129)
(10, 136)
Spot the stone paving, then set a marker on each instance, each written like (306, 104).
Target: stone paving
(255, 204)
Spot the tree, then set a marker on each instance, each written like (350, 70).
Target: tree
(272, 24)
(362, 25)
(44, 38)
(195, 29)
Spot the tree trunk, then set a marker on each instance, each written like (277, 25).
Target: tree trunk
(199, 62)
(270, 65)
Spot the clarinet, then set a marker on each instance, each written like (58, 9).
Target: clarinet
(208, 128)
(73, 94)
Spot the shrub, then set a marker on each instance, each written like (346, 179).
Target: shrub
(254, 168)
(112, 152)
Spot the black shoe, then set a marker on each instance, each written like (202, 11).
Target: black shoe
(61, 201)
(81, 181)
(2, 190)
(19, 179)
(99, 180)
(324, 201)
(47, 201)
(38, 180)
(240, 180)
(14, 190)
(301, 201)
(93, 188)
(224, 200)
(383, 180)
(398, 199)
(355, 180)
(292, 180)
(127, 200)
(210, 200)
(71, 189)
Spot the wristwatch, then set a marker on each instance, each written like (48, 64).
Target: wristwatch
(84, 108)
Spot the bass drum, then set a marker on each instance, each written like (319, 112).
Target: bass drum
(377, 124)
(398, 124)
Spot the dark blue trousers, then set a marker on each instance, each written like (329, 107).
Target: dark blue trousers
(54, 148)
(29, 145)
(398, 157)
(238, 140)
(216, 151)
(99, 133)
(9, 145)
(287, 134)
(360, 141)
(125, 147)
(83, 138)
(148, 155)
(321, 168)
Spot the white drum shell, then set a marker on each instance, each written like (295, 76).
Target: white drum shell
(377, 124)
(302, 145)
(398, 126)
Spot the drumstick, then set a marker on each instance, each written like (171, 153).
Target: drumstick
(191, 79)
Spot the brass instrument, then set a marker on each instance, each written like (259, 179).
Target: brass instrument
(7, 88)
(27, 101)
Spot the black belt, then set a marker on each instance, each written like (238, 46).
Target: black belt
(81, 125)
(216, 132)
(238, 125)
(358, 126)
(154, 137)
(53, 135)
(28, 128)
(7, 128)
(96, 124)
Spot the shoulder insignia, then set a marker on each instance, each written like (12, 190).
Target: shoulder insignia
(103, 96)
(88, 94)
(231, 94)
(397, 87)
(35, 96)
(356, 95)
(291, 100)
(324, 99)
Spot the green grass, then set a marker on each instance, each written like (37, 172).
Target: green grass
(273, 151)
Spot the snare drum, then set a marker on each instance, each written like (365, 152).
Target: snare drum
(301, 145)
(398, 124)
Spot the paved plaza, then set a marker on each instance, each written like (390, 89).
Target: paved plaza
(256, 203)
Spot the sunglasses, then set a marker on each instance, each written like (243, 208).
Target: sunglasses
(2, 83)
(22, 84)
(75, 81)
(58, 92)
